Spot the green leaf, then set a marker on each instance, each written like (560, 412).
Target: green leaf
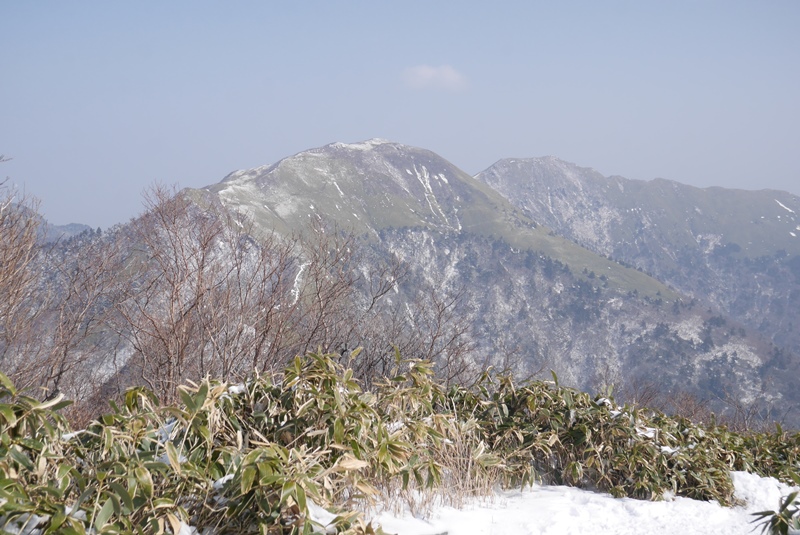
(188, 400)
(161, 503)
(6, 383)
(248, 477)
(302, 409)
(338, 431)
(21, 458)
(63, 471)
(174, 458)
(8, 415)
(289, 489)
(108, 439)
(301, 498)
(54, 404)
(123, 495)
(202, 395)
(101, 519)
(144, 479)
(75, 529)
(57, 520)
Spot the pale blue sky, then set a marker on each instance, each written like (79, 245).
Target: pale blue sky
(100, 99)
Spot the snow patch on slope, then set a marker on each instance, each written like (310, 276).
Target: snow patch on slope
(690, 330)
(708, 242)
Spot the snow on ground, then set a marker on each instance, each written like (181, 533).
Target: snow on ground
(690, 330)
(558, 510)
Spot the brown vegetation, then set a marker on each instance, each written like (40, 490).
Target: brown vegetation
(189, 290)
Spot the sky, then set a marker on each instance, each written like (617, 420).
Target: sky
(100, 100)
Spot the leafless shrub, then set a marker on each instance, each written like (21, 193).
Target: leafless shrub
(19, 225)
(189, 289)
(728, 410)
(642, 393)
(758, 415)
(52, 306)
(204, 297)
(690, 406)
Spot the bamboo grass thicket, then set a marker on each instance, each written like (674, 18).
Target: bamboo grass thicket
(257, 457)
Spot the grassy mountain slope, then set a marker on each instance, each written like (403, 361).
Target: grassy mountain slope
(736, 250)
(378, 185)
(610, 213)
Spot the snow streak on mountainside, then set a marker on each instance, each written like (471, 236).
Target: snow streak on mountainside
(534, 300)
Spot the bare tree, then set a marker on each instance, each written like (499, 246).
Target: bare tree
(19, 225)
(642, 393)
(83, 284)
(50, 304)
(341, 288)
(207, 295)
(190, 289)
(172, 274)
(439, 333)
(353, 299)
(251, 311)
(758, 415)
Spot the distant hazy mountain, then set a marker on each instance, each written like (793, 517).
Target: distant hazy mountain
(737, 251)
(554, 302)
(59, 232)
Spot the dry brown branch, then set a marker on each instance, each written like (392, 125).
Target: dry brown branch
(19, 307)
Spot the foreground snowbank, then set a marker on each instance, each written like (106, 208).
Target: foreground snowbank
(558, 510)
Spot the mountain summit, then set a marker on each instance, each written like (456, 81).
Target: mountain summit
(618, 216)
(377, 185)
(362, 186)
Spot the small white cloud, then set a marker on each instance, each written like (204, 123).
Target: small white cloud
(426, 77)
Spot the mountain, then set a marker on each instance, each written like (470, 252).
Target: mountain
(535, 295)
(378, 186)
(733, 250)
(59, 232)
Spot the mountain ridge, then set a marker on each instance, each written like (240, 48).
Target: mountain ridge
(736, 250)
(392, 248)
(562, 305)
(481, 210)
